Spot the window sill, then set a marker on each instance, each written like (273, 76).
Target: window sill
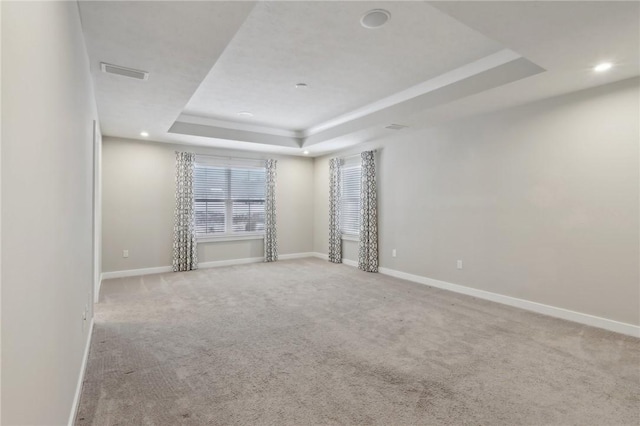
(227, 237)
(350, 237)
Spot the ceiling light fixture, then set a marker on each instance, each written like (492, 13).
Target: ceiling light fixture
(306, 153)
(603, 67)
(144, 134)
(375, 18)
(245, 114)
(302, 86)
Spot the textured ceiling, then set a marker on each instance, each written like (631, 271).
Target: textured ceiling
(433, 62)
(167, 39)
(345, 65)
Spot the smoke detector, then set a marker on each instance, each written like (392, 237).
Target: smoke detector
(124, 71)
(375, 18)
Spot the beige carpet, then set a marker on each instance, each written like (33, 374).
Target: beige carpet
(306, 342)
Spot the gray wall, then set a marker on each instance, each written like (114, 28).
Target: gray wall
(138, 206)
(47, 113)
(540, 202)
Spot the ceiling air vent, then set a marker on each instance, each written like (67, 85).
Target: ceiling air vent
(396, 127)
(123, 71)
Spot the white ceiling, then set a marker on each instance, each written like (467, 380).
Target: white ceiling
(432, 62)
(344, 64)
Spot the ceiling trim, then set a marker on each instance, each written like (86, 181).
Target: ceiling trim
(499, 58)
(237, 125)
(489, 72)
(193, 129)
(508, 72)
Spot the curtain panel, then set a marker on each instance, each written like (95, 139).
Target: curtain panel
(270, 237)
(185, 250)
(335, 241)
(368, 247)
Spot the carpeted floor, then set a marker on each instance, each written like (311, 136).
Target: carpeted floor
(306, 342)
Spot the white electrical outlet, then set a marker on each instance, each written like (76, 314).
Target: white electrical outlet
(459, 264)
(125, 253)
(393, 253)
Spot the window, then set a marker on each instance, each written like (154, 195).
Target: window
(350, 200)
(229, 199)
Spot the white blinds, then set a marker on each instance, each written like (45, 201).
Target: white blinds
(350, 199)
(247, 188)
(228, 198)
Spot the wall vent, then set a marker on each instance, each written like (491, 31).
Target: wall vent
(123, 71)
(396, 127)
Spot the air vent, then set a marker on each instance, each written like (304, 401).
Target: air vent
(123, 71)
(396, 127)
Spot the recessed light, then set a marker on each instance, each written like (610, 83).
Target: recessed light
(301, 86)
(603, 67)
(306, 153)
(245, 114)
(144, 134)
(375, 18)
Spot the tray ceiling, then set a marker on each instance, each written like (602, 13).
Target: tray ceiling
(431, 62)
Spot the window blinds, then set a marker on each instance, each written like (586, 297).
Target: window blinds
(350, 199)
(229, 199)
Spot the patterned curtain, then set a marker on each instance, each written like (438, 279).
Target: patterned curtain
(335, 242)
(270, 239)
(368, 249)
(185, 250)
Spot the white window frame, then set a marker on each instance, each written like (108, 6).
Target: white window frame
(229, 234)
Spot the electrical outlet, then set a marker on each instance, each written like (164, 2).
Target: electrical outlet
(125, 253)
(459, 264)
(393, 253)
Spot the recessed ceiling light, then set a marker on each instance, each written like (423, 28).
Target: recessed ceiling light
(375, 18)
(301, 86)
(603, 67)
(245, 114)
(306, 153)
(144, 134)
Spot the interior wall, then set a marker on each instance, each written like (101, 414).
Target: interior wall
(540, 202)
(139, 199)
(47, 169)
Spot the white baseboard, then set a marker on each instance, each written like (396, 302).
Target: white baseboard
(201, 265)
(231, 262)
(326, 257)
(350, 262)
(552, 311)
(136, 272)
(83, 368)
(320, 255)
(295, 255)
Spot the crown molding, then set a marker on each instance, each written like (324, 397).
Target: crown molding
(494, 70)
(499, 58)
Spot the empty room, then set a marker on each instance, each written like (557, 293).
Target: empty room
(320, 213)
